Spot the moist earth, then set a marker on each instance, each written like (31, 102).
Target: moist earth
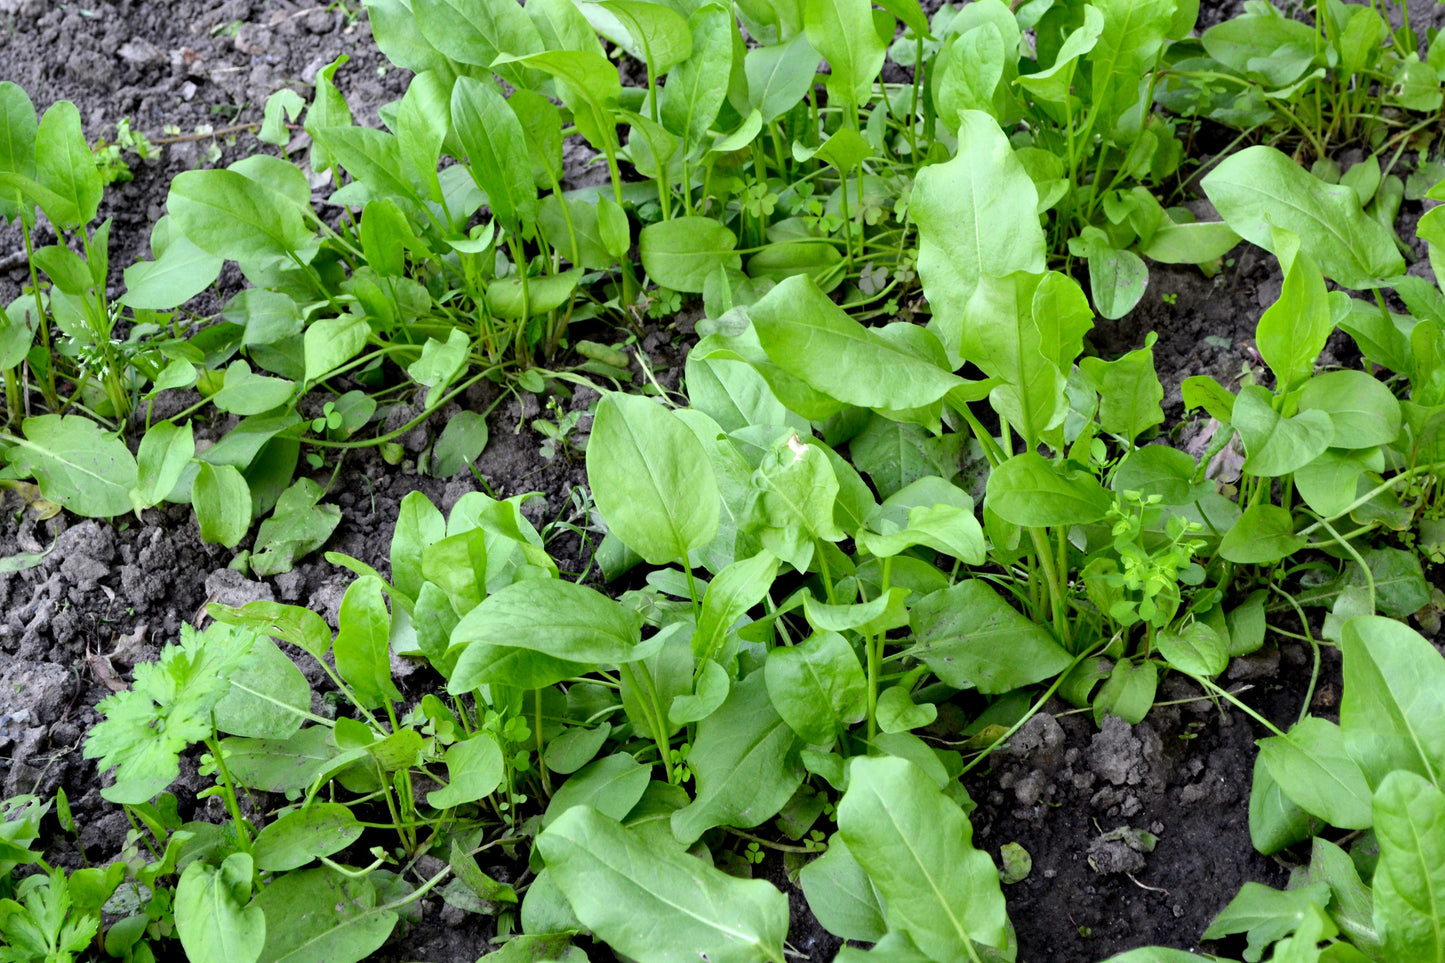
(109, 594)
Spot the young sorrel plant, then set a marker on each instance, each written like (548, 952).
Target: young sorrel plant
(1321, 84)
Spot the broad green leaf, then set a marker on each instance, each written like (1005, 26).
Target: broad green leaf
(1129, 392)
(328, 109)
(1275, 821)
(475, 769)
(243, 392)
(589, 87)
(479, 32)
(1054, 83)
(270, 765)
(562, 26)
(297, 526)
(1311, 767)
(317, 914)
(1260, 188)
(180, 271)
(222, 501)
(969, 636)
(681, 253)
(929, 512)
(300, 626)
(796, 490)
(460, 444)
(572, 627)
(65, 166)
(1117, 278)
(1197, 243)
(841, 896)
(895, 454)
(1026, 330)
(917, 847)
(974, 63)
(164, 453)
(843, 33)
(976, 216)
(1027, 490)
(1157, 470)
(1277, 445)
(304, 834)
(657, 904)
(497, 153)
(1129, 43)
(1353, 907)
(1267, 915)
(817, 686)
(1128, 692)
(734, 394)
(651, 478)
(1410, 877)
(374, 158)
(744, 761)
(1264, 534)
(515, 300)
(1292, 332)
(1195, 649)
(229, 215)
(779, 76)
(811, 338)
(612, 786)
(1364, 412)
(697, 87)
(268, 698)
(418, 525)
(361, 649)
(76, 464)
(1394, 695)
(332, 342)
(735, 590)
(1265, 46)
(213, 919)
(659, 36)
(17, 137)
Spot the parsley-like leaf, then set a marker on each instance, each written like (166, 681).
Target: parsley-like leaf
(167, 708)
(39, 929)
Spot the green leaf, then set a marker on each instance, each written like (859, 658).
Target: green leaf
(681, 253)
(496, 150)
(461, 443)
(843, 33)
(229, 215)
(301, 627)
(1129, 392)
(1362, 409)
(1410, 877)
(304, 834)
(65, 166)
(1277, 445)
(817, 686)
(1260, 188)
(1129, 44)
(658, 35)
(76, 464)
(571, 627)
(475, 768)
(969, 636)
(697, 87)
(1394, 697)
(505, 298)
(1027, 490)
(213, 919)
(917, 847)
(179, 272)
(1292, 332)
(796, 491)
(362, 651)
(612, 786)
(651, 479)
(655, 903)
(1117, 278)
(744, 761)
(316, 914)
(1266, 914)
(418, 525)
(929, 512)
(269, 697)
(811, 338)
(841, 896)
(332, 342)
(976, 216)
(222, 501)
(1264, 534)
(245, 393)
(1275, 821)
(1128, 692)
(779, 76)
(1195, 650)
(1311, 767)
(735, 590)
(298, 525)
(480, 33)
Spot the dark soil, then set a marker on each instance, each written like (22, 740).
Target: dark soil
(109, 595)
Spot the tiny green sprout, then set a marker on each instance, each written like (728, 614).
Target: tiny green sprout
(754, 853)
(1171, 299)
(759, 201)
(329, 420)
(664, 303)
